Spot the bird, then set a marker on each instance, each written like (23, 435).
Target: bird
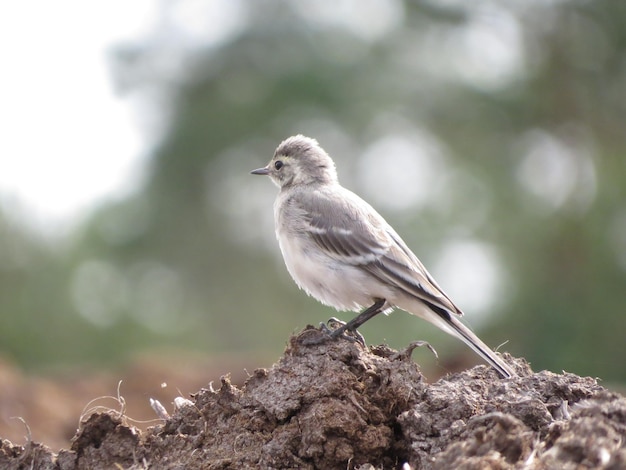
(342, 252)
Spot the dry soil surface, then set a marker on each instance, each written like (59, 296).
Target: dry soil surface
(340, 405)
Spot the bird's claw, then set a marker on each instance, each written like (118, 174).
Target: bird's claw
(337, 328)
(332, 329)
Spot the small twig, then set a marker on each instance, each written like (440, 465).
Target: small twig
(28, 448)
(406, 352)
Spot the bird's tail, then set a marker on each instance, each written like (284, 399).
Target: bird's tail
(458, 329)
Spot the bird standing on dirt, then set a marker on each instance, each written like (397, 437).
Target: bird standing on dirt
(343, 253)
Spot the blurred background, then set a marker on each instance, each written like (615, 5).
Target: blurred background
(491, 135)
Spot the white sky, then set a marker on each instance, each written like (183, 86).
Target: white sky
(66, 140)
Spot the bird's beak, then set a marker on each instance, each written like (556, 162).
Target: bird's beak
(260, 171)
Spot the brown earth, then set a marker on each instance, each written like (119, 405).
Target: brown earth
(339, 405)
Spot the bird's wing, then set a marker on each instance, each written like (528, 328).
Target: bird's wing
(349, 230)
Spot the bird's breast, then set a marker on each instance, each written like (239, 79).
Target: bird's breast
(331, 282)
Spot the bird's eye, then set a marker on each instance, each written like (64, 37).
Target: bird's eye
(278, 165)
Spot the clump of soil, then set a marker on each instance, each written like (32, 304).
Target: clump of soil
(338, 405)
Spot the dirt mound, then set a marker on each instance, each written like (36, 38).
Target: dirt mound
(340, 405)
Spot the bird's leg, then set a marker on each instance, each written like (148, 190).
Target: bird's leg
(361, 318)
(351, 326)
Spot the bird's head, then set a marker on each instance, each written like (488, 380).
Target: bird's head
(299, 160)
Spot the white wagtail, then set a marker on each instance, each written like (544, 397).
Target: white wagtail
(342, 252)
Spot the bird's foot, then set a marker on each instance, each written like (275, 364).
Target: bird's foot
(340, 329)
(334, 328)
